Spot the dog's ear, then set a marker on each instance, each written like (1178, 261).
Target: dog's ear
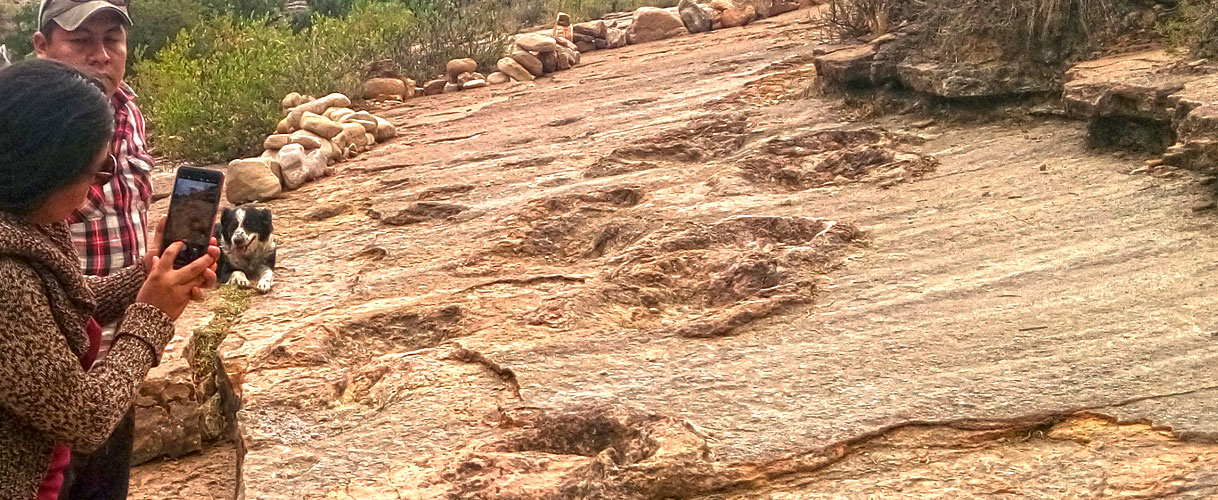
(270, 222)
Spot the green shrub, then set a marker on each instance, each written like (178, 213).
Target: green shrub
(331, 8)
(158, 22)
(588, 10)
(542, 13)
(451, 29)
(210, 93)
(252, 9)
(213, 93)
(1036, 31)
(20, 40)
(1195, 26)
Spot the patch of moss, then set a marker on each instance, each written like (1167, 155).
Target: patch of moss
(201, 351)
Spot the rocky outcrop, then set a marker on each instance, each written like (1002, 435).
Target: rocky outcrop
(888, 59)
(529, 61)
(1152, 102)
(434, 87)
(167, 414)
(1196, 126)
(536, 43)
(598, 35)
(536, 55)
(735, 17)
(1138, 86)
(850, 66)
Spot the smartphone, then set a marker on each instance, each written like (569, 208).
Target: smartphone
(192, 212)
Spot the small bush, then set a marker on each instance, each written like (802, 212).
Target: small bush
(542, 13)
(250, 9)
(863, 17)
(1195, 26)
(20, 40)
(587, 10)
(210, 94)
(213, 93)
(1037, 31)
(158, 22)
(331, 8)
(451, 29)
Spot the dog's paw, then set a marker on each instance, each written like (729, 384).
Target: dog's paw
(265, 282)
(239, 279)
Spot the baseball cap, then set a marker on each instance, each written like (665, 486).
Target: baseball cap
(69, 14)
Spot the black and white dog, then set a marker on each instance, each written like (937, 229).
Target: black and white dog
(247, 248)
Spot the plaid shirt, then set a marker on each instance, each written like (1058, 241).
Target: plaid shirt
(110, 230)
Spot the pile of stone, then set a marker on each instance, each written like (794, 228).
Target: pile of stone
(535, 55)
(736, 13)
(598, 35)
(459, 74)
(385, 82)
(390, 89)
(314, 134)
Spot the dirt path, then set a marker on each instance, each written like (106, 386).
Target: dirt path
(675, 272)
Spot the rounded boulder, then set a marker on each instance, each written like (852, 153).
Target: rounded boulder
(457, 66)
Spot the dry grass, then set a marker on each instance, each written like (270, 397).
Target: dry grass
(864, 17)
(1040, 31)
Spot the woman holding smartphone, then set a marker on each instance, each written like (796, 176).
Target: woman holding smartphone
(55, 128)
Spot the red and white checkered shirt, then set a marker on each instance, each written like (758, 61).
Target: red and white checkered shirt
(110, 229)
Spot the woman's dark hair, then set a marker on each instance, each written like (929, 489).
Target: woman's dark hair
(53, 122)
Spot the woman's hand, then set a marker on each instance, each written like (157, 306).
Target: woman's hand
(154, 250)
(171, 290)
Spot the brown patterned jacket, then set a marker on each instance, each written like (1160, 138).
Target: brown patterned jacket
(45, 396)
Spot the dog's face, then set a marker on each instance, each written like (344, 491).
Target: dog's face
(245, 229)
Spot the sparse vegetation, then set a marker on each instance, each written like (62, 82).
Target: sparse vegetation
(213, 93)
(19, 41)
(206, 339)
(450, 29)
(1195, 26)
(854, 18)
(586, 10)
(1040, 31)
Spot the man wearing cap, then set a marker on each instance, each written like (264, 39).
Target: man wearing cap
(110, 231)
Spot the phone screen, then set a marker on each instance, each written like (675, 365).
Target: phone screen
(192, 212)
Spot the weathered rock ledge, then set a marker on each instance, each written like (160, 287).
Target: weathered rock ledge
(1152, 102)
(887, 60)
